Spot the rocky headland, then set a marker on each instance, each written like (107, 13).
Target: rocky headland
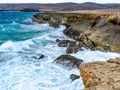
(93, 30)
(98, 31)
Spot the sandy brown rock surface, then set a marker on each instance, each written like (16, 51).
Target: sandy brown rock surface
(98, 30)
(101, 75)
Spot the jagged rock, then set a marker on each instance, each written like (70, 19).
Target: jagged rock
(41, 57)
(80, 45)
(117, 61)
(70, 50)
(68, 60)
(101, 75)
(63, 43)
(71, 32)
(41, 18)
(72, 46)
(74, 77)
(72, 43)
(73, 49)
(112, 19)
(55, 21)
(102, 22)
(87, 42)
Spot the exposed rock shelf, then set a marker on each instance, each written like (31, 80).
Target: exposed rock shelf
(101, 75)
(97, 31)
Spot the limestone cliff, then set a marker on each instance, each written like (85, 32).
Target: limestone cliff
(97, 31)
(101, 75)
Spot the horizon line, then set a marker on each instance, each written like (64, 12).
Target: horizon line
(57, 3)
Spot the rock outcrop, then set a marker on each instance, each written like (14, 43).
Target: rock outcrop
(41, 57)
(72, 46)
(63, 43)
(68, 61)
(74, 77)
(96, 31)
(101, 75)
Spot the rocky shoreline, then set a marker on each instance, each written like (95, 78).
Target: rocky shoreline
(96, 31)
(90, 30)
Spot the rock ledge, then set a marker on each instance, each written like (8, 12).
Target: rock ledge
(101, 75)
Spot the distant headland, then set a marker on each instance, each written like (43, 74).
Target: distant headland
(57, 6)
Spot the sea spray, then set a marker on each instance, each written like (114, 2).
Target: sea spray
(23, 41)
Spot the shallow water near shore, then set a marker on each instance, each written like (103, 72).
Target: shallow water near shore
(23, 41)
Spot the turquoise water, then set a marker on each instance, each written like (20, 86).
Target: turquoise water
(22, 42)
(12, 26)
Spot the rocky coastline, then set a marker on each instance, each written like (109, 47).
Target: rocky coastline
(96, 31)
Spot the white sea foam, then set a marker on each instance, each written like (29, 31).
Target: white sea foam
(11, 46)
(90, 56)
(23, 71)
(28, 20)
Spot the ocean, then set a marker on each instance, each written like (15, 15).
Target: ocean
(22, 41)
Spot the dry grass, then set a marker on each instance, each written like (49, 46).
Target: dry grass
(102, 11)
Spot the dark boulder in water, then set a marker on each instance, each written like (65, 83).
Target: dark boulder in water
(41, 57)
(72, 43)
(74, 77)
(74, 49)
(63, 43)
(72, 46)
(68, 60)
(58, 40)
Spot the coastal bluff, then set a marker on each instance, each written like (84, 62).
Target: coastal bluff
(96, 30)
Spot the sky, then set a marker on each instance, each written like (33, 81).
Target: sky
(57, 1)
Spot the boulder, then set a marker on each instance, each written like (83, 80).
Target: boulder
(72, 46)
(74, 77)
(72, 43)
(58, 40)
(73, 49)
(68, 61)
(63, 43)
(41, 57)
(101, 75)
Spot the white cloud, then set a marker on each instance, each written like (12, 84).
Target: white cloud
(56, 1)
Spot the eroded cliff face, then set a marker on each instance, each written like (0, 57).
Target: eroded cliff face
(101, 75)
(96, 31)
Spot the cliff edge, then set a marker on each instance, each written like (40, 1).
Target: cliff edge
(98, 31)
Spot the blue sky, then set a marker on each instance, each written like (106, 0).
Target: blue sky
(56, 1)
